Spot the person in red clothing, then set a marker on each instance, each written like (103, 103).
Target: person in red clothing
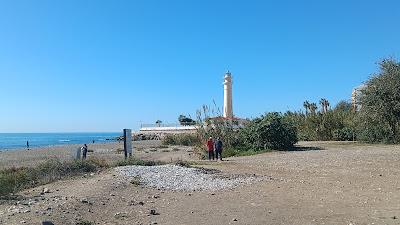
(210, 147)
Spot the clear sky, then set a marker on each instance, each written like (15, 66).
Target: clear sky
(92, 65)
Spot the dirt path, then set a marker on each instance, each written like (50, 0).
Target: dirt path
(341, 183)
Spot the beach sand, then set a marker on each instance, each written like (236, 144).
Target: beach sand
(111, 152)
(325, 183)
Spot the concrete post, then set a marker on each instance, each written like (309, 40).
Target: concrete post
(228, 108)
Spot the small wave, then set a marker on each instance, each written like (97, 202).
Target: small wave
(64, 140)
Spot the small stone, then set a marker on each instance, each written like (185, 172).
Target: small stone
(47, 223)
(23, 221)
(234, 220)
(84, 200)
(46, 190)
(153, 212)
(121, 215)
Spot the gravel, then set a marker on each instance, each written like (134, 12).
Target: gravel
(177, 178)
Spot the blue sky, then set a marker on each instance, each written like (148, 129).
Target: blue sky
(90, 65)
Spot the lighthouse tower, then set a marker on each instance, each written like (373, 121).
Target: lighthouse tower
(228, 111)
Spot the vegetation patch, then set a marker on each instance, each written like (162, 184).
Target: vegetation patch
(13, 180)
(85, 222)
(134, 161)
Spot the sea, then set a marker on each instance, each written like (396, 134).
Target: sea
(13, 141)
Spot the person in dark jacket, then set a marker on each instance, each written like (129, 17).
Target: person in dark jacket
(84, 151)
(218, 148)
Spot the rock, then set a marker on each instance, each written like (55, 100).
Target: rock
(47, 223)
(84, 201)
(234, 220)
(119, 215)
(23, 221)
(45, 191)
(154, 212)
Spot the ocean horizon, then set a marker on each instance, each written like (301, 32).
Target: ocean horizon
(13, 141)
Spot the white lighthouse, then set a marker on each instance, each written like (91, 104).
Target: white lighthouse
(228, 111)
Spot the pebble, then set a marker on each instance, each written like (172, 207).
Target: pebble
(153, 212)
(177, 178)
(45, 191)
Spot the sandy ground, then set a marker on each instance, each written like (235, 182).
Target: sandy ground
(109, 151)
(327, 183)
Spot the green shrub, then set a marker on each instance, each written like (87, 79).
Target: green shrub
(270, 131)
(344, 134)
(134, 161)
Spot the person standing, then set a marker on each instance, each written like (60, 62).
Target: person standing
(218, 148)
(27, 145)
(84, 151)
(210, 147)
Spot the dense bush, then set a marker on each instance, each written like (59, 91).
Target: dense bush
(344, 134)
(325, 125)
(270, 131)
(379, 115)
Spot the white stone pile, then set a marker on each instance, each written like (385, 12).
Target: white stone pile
(177, 178)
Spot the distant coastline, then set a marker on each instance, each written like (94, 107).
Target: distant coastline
(18, 141)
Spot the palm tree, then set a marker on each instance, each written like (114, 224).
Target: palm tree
(313, 108)
(306, 105)
(324, 105)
